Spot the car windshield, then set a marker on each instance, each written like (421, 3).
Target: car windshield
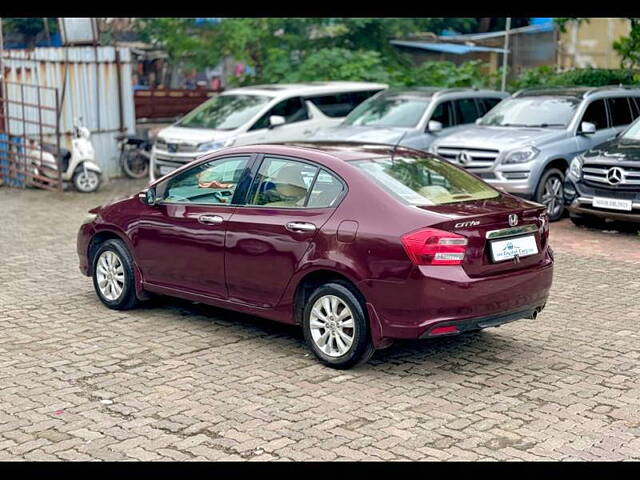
(425, 181)
(224, 112)
(633, 132)
(389, 112)
(532, 112)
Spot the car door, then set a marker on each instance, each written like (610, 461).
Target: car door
(596, 113)
(298, 124)
(288, 203)
(180, 241)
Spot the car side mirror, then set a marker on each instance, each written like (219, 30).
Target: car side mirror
(148, 196)
(478, 120)
(276, 121)
(434, 126)
(587, 128)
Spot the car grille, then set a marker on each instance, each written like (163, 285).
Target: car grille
(172, 147)
(469, 157)
(596, 176)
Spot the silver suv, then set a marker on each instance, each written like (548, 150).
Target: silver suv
(411, 117)
(525, 144)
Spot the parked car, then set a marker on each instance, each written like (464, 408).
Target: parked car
(359, 245)
(257, 114)
(412, 117)
(604, 182)
(525, 143)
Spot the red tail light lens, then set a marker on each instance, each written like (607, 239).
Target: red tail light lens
(430, 246)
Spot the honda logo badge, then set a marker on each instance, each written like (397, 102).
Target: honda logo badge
(513, 220)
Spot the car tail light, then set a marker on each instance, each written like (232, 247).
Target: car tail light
(429, 246)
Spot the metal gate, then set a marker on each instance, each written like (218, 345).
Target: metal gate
(30, 153)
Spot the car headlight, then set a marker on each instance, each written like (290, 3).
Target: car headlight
(89, 218)
(210, 146)
(575, 168)
(522, 155)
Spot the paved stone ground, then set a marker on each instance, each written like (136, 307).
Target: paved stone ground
(173, 380)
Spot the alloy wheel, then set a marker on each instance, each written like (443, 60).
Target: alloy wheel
(553, 195)
(110, 275)
(332, 325)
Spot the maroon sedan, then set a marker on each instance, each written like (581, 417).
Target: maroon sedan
(359, 244)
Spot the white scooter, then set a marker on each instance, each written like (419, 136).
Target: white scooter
(78, 165)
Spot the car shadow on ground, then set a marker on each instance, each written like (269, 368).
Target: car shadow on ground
(450, 353)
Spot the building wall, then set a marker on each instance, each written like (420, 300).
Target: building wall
(590, 44)
(87, 81)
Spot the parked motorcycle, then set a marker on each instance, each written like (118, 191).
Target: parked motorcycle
(77, 166)
(135, 155)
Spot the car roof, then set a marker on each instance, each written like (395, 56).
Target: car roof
(577, 92)
(342, 150)
(429, 92)
(310, 88)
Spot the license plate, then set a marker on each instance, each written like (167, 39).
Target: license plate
(612, 203)
(502, 250)
(165, 170)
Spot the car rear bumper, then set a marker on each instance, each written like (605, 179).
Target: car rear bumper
(448, 296)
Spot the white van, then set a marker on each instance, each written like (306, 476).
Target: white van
(257, 114)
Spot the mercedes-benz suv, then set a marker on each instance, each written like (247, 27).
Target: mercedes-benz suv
(525, 143)
(604, 182)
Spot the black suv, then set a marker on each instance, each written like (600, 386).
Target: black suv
(604, 182)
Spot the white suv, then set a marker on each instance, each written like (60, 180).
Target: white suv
(257, 114)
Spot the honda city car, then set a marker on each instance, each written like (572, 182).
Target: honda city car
(359, 244)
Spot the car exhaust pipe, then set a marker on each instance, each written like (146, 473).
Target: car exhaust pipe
(533, 315)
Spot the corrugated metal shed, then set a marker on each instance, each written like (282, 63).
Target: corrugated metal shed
(92, 82)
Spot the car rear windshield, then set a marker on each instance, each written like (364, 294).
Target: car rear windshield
(532, 112)
(388, 112)
(224, 112)
(425, 181)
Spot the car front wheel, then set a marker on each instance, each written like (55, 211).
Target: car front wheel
(113, 276)
(336, 328)
(551, 193)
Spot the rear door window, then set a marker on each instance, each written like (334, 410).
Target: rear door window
(326, 192)
(596, 113)
(281, 182)
(620, 111)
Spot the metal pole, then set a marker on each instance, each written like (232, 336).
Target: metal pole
(505, 54)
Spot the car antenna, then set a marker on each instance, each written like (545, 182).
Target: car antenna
(395, 147)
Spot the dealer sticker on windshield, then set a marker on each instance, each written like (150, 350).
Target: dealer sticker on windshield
(502, 250)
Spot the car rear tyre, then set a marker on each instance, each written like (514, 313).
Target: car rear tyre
(551, 193)
(113, 276)
(336, 328)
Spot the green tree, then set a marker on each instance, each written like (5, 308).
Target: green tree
(30, 28)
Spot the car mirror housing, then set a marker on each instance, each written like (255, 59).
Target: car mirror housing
(478, 120)
(587, 128)
(148, 196)
(276, 121)
(434, 126)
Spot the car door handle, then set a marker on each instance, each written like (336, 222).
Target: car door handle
(301, 227)
(210, 219)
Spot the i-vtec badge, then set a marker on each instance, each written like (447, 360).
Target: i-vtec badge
(472, 223)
